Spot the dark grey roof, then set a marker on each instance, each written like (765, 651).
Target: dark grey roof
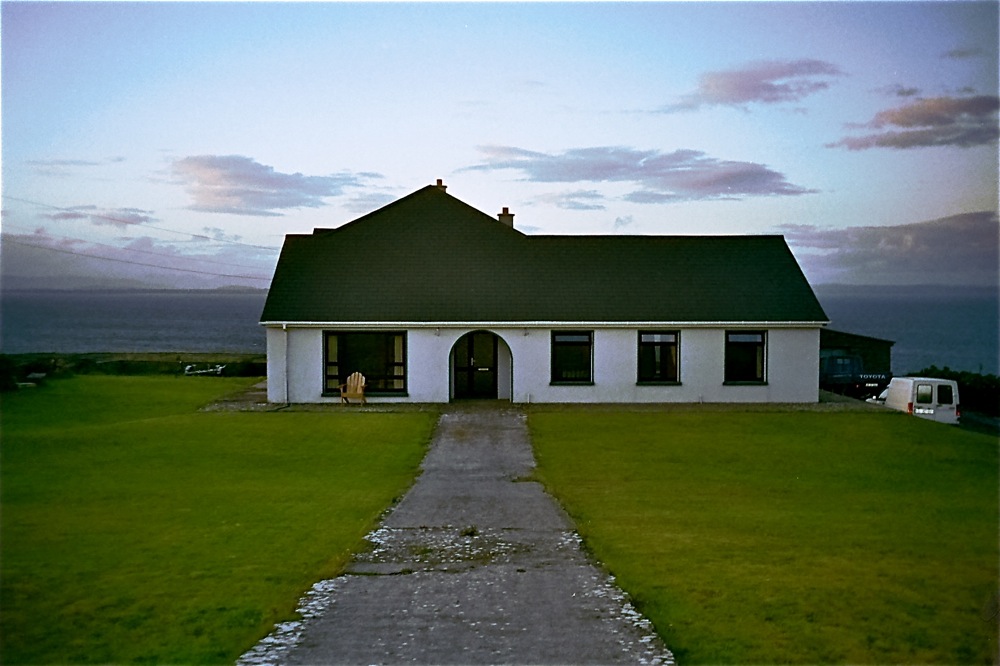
(429, 257)
(831, 337)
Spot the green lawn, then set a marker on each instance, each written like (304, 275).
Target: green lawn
(789, 537)
(137, 529)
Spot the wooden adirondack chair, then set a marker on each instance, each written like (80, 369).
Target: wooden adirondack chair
(354, 389)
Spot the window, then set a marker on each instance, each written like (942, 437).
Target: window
(745, 356)
(571, 357)
(657, 356)
(380, 357)
(925, 394)
(945, 395)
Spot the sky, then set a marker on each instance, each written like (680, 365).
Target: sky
(175, 144)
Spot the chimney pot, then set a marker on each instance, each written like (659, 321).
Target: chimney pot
(441, 186)
(506, 217)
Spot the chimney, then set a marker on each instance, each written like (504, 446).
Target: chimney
(506, 217)
(441, 186)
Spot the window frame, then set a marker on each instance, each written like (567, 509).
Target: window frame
(760, 354)
(332, 367)
(675, 345)
(555, 344)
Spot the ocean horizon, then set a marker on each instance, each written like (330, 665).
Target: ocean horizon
(131, 320)
(957, 327)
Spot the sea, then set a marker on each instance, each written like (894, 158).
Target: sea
(955, 327)
(83, 321)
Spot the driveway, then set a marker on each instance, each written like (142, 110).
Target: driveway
(476, 565)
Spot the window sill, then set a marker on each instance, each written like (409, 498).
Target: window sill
(745, 383)
(571, 383)
(658, 384)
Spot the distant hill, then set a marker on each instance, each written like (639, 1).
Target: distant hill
(908, 291)
(235, 288)
(65, 282)
(91, 283)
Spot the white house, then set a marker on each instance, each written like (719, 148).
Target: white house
(433, 301)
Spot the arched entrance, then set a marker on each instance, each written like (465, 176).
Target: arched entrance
(480, 367)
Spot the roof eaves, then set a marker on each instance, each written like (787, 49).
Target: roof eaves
(545, 324)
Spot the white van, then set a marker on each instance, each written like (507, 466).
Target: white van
(926, 397)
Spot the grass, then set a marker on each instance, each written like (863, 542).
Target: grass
(788, 537)
(137, 529)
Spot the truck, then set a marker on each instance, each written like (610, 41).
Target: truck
(844, 373)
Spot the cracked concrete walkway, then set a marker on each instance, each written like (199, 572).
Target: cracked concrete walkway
(476, 565)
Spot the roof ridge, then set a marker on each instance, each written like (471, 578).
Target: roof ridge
(428, 190)
(392, 204)
(648, 236)
(430, 256)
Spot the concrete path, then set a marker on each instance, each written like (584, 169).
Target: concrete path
(476, 565)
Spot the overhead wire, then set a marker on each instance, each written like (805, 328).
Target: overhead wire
(16, 241)
(118, 220)
(128, 249)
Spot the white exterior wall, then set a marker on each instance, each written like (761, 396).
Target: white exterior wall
(524, 358)
(276, 391)
(795, 366)
(792, 358)
(300, 369)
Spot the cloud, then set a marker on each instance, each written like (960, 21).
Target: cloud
(937, 121)
(761, 82)
(956, 250)
(651, 197)
(366, 202)
(963, 54)
(898, 90)
(115, 217)
(65, 167)
(62, 163)
(662, 177)
(576, 200)
(122, 217)
(239, 185)
(42, 238)
(39, 257)
(938, 112)
(215, 233)
(43, 260)
(623, 222)
(66, 215)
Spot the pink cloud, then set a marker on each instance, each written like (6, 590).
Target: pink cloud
(763, 82)
(116, 217)
(963, 122)
(660, 177)
(959, 249)
(576, 200)
(239, 185)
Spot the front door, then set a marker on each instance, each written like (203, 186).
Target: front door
(476, 366)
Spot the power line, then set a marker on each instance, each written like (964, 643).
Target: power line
(134, 263)
(130, 249)
(118, 220)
